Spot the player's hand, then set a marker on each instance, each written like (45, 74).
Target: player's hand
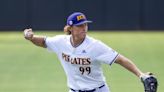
(145, 75)
(28, 34)
(150, 82)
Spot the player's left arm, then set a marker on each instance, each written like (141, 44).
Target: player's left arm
(150, 81)
(129, 65)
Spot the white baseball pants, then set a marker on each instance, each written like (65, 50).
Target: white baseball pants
(103, 89)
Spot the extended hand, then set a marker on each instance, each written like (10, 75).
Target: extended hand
(150, 82)
(28, 34)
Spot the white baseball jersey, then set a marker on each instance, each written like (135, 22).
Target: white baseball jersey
(82, 64)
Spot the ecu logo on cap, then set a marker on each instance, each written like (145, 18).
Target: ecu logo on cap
(80, 17)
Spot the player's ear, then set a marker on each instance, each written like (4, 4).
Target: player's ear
(68, 29)
(71, 28)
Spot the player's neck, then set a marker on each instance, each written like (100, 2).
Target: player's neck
(75, 41)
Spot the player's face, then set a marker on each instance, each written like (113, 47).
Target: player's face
(80, 30)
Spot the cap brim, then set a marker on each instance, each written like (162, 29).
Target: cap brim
(87, 21)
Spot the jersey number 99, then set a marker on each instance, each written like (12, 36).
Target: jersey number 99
(85, 69)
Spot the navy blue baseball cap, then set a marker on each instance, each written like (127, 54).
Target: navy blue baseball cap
(77, 18)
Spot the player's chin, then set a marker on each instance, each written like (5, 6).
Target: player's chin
(83, 34)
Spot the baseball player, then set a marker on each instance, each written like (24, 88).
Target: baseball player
(81, 56)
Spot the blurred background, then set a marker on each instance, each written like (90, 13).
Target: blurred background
(134, 28)
(106, 14)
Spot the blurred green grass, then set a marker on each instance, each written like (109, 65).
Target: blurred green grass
(27, 68)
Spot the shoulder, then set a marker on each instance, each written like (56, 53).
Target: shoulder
(98, 44)
(94, 41)
(56, 41)
(58, 37)
(91, 39)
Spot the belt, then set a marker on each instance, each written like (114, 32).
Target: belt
(87, 90)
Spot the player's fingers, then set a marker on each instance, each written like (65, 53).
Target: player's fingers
(30, 29)
(149, 73)
(28, 34)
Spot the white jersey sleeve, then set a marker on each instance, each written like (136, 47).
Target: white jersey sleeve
(105, 53)
(52, 43)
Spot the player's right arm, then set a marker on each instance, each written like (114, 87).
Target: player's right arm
(35, 39)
